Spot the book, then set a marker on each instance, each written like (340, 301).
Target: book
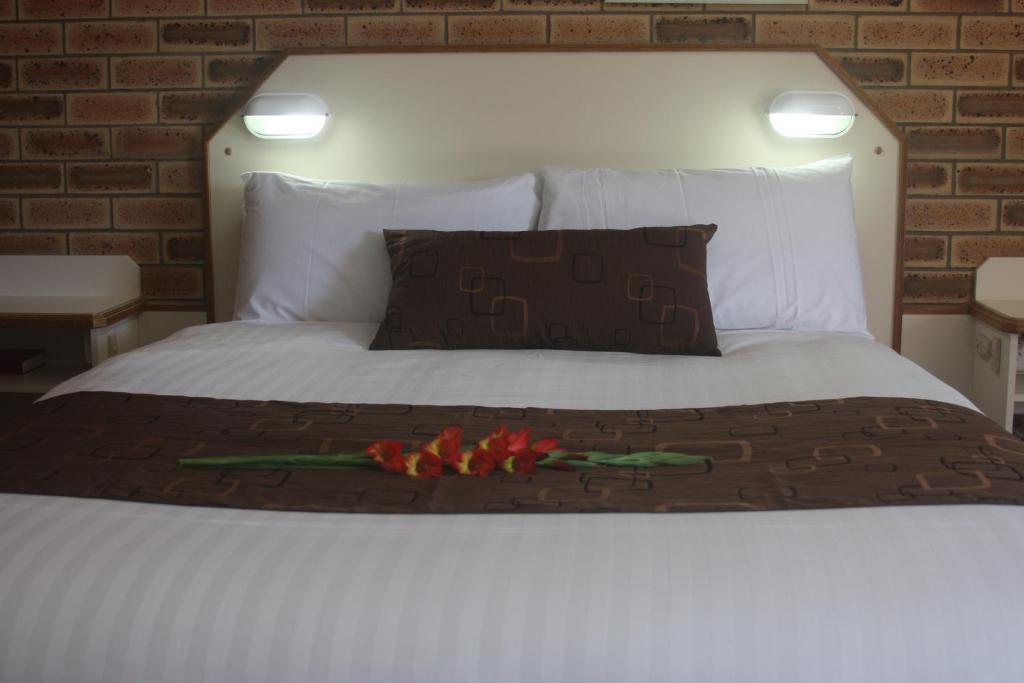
(20, 361)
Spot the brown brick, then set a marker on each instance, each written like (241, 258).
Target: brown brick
(557, 5)
(30, 39)
(30, 178)
(89, 73)
(110, 177)
(6, 75)
(450, 5)
(111, 36)
(212, 36)
(7, 9)
(181, 177)
(929, 178)
(883, 68)
(950, 214)
(36, 109)
(8, 144)
(521, 29)
(157, 8)
(410, 30)
(924, 251)
(598, 29)
(158, 142)
(907, 32)
(992, 33)
(1013, 215)
(158, 213)
(990, 107)
(112, 108)
(65, 143)
(9, 213)
(172, 282)
(923, 106)
(1017, 71)
(799, 29)
(706, 28)
(937, 288)
(959, 68)
(958, 6)
(346, 6)
(66, 213)
(278, 34)
(144, 247)
(184, 247)
(1015, 143)
(156, 72)
(971, 251)
(63, 9)
(195, 107)
(253, 7)
(990, 178)
(235, 72)
(954, 143)
(857, 5)
(32, 243)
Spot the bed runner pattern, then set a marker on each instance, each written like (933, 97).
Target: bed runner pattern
(781, 456)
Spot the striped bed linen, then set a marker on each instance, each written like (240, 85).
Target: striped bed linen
(94, 590)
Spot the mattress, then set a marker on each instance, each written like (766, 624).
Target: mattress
(95, 590)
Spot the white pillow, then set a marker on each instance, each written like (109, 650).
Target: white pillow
(313, 249)
(785, 254)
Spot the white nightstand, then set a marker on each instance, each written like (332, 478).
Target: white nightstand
(79, 310)
(998, 310)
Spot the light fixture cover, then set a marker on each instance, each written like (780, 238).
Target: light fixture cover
(811, 114)
(285, 115)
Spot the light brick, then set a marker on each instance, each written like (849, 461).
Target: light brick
(992, 33)
(555, 6)
(924, 251)
(66, 213)
(181, 177)
(215, 7)
(62, 9)
(408, 30)
(208, 36)
(600, 29)
(451, 5)
(1015, 143)
(156, 72)
(959, 68)
(32, 109)
(112, 108)
(9, 213)
(194, 107)
(350, 6)
(109, 37)
(226, 71)
(184, 247)
(522, 29)
(971, 251)
(279, 34)
(937, 288)
(65, 143)
(877, 68)
(990, 107)
(940, 215)
(32, 243)
(929, 178)
(30, 178)
(30, 39)
(172, 282)
(904, 32)
(157, 8)
(143, 247)
(792, 29)
(110, 177)
(963, 142)
(704, 28)
(990, 179)
(915, 106)
(85, 73)
(158, 213)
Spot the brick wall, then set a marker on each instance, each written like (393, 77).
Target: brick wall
(103, 102)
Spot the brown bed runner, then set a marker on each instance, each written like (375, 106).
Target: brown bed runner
(810, 454)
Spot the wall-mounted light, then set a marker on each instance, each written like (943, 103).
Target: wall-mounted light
(285, 115)
(811, 114)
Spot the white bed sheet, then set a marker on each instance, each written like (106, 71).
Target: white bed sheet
(109, 591)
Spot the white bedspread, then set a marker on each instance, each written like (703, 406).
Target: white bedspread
(110, 591)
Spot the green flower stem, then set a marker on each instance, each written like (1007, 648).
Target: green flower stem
(345, 461)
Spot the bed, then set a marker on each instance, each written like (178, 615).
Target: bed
(126, 577)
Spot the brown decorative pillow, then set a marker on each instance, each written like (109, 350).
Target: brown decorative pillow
(642, 290)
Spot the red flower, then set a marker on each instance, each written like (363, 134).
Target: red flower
(388, 454)
(423, 465)
(520, 457)
(523, 462)
(474, 463)
(446, 445)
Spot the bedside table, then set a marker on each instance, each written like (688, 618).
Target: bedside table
(998, 311)
(79, 310)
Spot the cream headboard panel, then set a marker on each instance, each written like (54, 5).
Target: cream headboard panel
(460, 115)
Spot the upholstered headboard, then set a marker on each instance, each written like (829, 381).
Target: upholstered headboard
(448, 114)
